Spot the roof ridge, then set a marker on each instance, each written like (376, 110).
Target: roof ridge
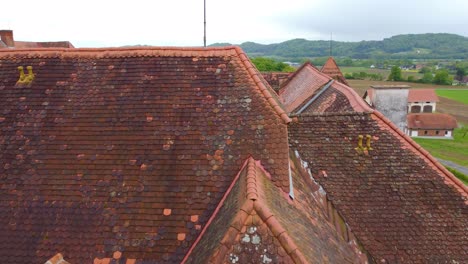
(425, 154)
(255, 202)
(269, 96)
(118, 51)
(353, 97)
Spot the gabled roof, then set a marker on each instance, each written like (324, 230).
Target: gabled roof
(127, 150)
(431, 121)
(399, 201)
(414, 95)
(422, 95)
(255, 223)
(331, 69)
(310, 90)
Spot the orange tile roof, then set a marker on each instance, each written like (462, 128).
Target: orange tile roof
(307, 83)
(431, 121)
(393, 196)
(127, 149)
(331, 69)
(422, 95)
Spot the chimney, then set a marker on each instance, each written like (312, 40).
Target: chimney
(7, 37)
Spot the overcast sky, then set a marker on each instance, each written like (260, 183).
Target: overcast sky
(100, 23)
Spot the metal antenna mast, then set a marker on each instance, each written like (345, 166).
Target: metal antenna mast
(204, 23)
(331, 41)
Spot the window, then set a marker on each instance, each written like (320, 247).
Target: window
(427, 109)
(425, 132)
(446, 132)
(437, 132)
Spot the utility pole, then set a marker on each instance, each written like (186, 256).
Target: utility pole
(331, 40)
(204, 23)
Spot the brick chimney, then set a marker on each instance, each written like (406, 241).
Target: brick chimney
(7, 37)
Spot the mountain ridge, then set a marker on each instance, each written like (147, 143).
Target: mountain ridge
(406, 46)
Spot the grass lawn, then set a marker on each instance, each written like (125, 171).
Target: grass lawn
(456, 95)
(455, 150)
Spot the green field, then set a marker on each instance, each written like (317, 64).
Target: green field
(456, 95)
(455, 150)
(383, 72)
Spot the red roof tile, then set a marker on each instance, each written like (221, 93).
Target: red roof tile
(422, 95)
(431, 121)
(400, 203)
(103, 143)
(331, 69)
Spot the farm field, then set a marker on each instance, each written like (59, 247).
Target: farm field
(456, 95)
(383, 72)
(455, 150)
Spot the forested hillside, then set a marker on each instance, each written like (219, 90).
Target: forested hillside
(412, 46)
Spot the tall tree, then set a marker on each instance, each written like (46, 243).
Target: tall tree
(395, 74)
(442, 77)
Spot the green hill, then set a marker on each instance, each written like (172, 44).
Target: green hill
(411, 46)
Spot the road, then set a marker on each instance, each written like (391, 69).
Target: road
(455, 166)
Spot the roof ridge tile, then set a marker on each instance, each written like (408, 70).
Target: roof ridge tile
(264, 90)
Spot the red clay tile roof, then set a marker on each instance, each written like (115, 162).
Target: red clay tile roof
(331, 69)
(301, 86)
(402, 205)
(431, 121)
(276, 79)
(264, 227)
(422, 95)
(414, 95)
(127, 150)
(312, 89)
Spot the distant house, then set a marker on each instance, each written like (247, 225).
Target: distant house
(422, 101)
(431, 125)
(464, 80)
(7, 41)
(419, 100)
(411, 110)
(391, 101)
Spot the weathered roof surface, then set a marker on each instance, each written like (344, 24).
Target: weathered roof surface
(120, 150)
(276, 79)
(49, 44)
(431, 121)
(402, 205)
(309, 90)
(258, 223)
(301, 86)
(331, 69)
(422, 95)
